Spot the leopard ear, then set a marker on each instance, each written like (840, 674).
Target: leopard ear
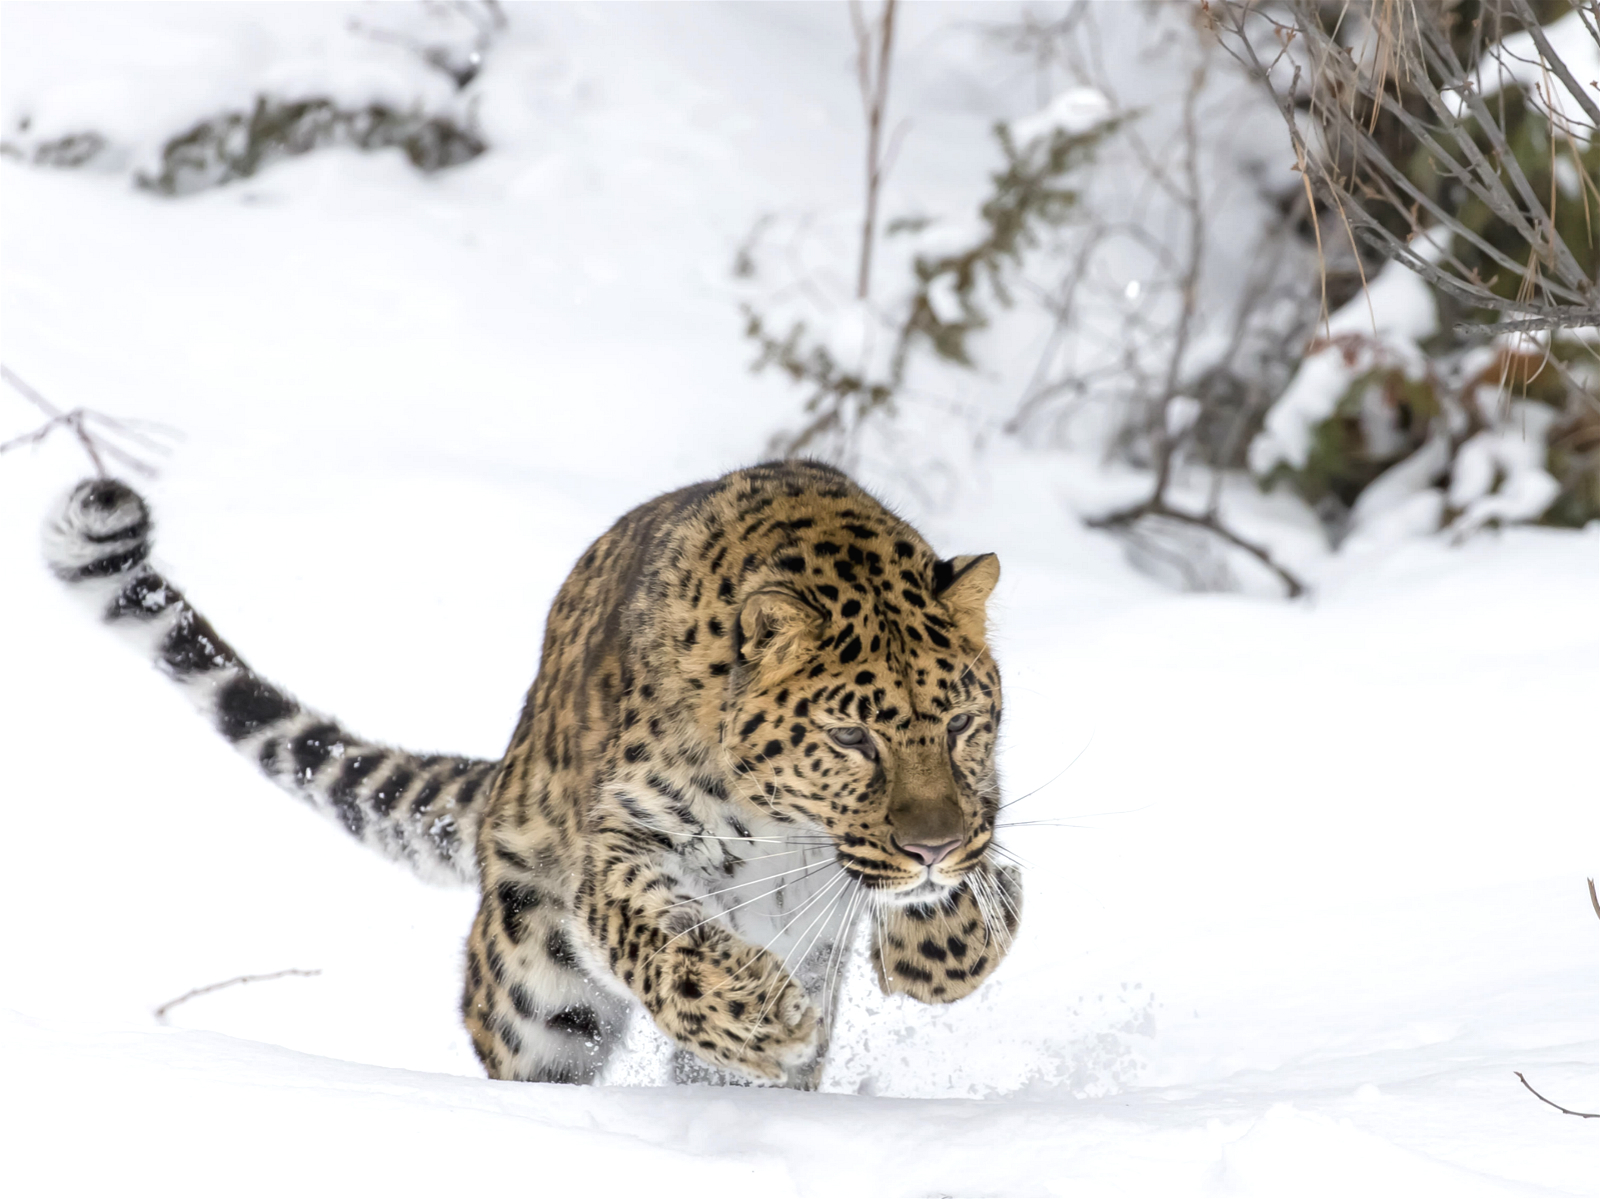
(774, 625)
(964, 583)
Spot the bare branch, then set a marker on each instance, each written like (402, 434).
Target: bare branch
(1552, 1103)
(161, 1012)
(1531, 324)
(1423, 76)
(873, 42)
(1128, 517)
(97, 446)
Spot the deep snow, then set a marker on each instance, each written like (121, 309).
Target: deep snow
(1319, 890)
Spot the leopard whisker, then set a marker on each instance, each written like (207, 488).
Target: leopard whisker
(818, 839)
(778, 853)
(746, 883)
(1053, 777)
(792, 842)
(788, 924)
(1009, 854)
(980, 896)
(718, 915)
(815, 922)
(834, 973)
(846, 897)
(998, 904)
(1004, 901)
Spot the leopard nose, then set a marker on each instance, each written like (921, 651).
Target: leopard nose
(928, 855)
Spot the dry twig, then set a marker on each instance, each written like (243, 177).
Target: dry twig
(1594, 900)
(145, 435)
(1159, 384)
(161, 1012)
(1159, 508)
(1553, 1103)
(874, 50)
(1409, 67)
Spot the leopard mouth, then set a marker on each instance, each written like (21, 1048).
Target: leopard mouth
(892, 883)
(889, 891)
(927, 889)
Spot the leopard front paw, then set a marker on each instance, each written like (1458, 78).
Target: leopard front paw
(739, 1009)
(941, 952)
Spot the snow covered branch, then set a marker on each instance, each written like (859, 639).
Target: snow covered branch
(957, 277)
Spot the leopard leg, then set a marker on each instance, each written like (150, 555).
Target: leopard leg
(940, 952)
(816, 959)
(818, 976)
(716, 995)
(532, 1011)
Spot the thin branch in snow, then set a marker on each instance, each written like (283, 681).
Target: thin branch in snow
(1172, 402)
(1157, 506)
(1594, 900)
(146, 436)
(874, 42)
(1553, 1103)
(161, 1012)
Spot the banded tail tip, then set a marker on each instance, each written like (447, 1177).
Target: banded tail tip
(101, 528)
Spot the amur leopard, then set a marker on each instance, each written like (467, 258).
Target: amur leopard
(765, 716)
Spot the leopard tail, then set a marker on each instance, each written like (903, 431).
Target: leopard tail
(420, 810)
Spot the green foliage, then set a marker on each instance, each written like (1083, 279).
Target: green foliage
(1027, 199)
(833, 387)
(1385, 416)
(1571, 385)
(236, 145)
(66, 152)
(1345, 457)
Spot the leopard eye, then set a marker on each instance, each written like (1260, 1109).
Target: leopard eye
(854, 737)
(960, 724)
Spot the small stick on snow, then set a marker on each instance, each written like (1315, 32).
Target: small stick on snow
(161, 1012)
(1552, 1103)
(1593, 898)
(96, 445)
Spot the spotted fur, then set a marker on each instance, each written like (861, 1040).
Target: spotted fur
(765, 711)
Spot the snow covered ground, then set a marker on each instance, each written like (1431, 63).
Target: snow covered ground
(1315, 885)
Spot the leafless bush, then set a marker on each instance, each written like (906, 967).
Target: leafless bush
(1187, 382)
(241, 980)
(1453, 144)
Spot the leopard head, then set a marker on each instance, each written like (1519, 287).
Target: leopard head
(864, 702)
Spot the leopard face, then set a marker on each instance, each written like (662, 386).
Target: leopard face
(864, 702)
